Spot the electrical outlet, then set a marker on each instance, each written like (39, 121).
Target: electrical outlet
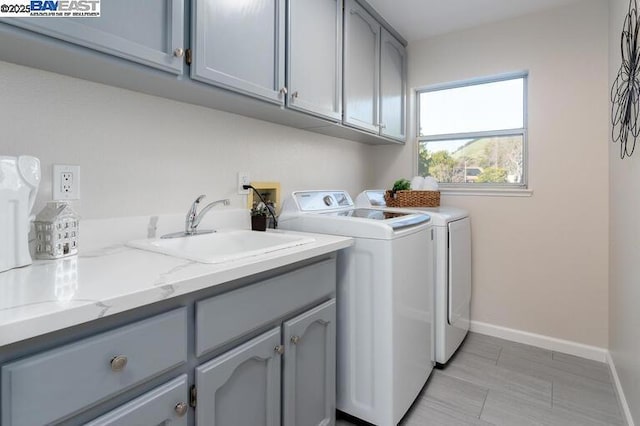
(66, 182)
(243, 179)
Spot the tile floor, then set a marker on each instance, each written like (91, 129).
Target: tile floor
(492, 381)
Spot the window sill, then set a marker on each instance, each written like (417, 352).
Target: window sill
(488, 192)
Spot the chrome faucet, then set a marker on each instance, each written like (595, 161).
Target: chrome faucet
(193, 218)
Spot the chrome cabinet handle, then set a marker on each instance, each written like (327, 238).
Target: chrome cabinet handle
(294, 95)
(118, 363)
(283, 91)
(178, 53)
(382, 125)
(181, 408)
(279, 349)
(295, 339)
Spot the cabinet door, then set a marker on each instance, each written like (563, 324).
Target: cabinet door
(242, 386)
(392, 88)
(148, 32)
(310, 367)
(239, 45)
(166, 405)
(315, 57)
(361, 68)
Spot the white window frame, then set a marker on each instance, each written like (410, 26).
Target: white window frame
(489, 188)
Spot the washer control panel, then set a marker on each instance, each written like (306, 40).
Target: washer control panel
(310, 201)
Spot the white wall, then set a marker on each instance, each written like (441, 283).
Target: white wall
(624, 253)
(143, 155)
(540, 264)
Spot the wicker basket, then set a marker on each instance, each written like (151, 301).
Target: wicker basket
(412, 199)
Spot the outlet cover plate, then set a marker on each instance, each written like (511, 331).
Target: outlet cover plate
(243, 179)
(66, 182)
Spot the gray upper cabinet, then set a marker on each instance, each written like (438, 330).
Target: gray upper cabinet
(326, 61)
(309, 367)
(147, 32)
(374, 75)
(361, 67)
(314, 77)
(239, 45)
(392, 87)
(242, 386)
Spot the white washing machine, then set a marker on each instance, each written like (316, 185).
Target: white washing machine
(384, 308)
(452, 271)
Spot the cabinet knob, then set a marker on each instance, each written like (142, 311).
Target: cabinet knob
(118, 363)
(181, 408)
(294, 94)
(295, 339)
(283, 91)
(279, 349)
(382, 125)
(178, 53)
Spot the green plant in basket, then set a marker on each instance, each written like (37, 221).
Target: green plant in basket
(400, 185)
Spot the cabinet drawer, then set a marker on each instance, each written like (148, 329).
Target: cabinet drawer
(49, 386)
(228, 316)
(165, 405)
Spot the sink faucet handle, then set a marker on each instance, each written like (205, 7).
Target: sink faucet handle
(194, 206)
(191, 215)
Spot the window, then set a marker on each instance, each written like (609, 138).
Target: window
(473, 134)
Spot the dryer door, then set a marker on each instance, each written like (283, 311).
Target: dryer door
(459, 273)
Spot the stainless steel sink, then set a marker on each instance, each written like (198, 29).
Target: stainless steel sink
(222, 246)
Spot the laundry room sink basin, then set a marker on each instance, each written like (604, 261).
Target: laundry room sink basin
(222, 246)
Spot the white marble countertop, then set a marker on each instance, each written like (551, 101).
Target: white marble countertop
(51, 295)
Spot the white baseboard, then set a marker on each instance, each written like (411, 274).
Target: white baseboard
(624, 406)
(559, 345)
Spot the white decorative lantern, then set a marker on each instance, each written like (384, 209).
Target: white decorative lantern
(56, 229)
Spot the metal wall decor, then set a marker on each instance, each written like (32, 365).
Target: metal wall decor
(625, 93)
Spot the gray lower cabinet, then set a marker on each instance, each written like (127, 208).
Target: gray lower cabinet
(310, 367)
(254, 307)
(393, 75)
(314, 57)
(148, 32)
(166, 405)
(251, 353)
(240, 45)
(242, 387)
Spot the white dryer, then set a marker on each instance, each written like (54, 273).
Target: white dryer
(384, 301)
(452, 271)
